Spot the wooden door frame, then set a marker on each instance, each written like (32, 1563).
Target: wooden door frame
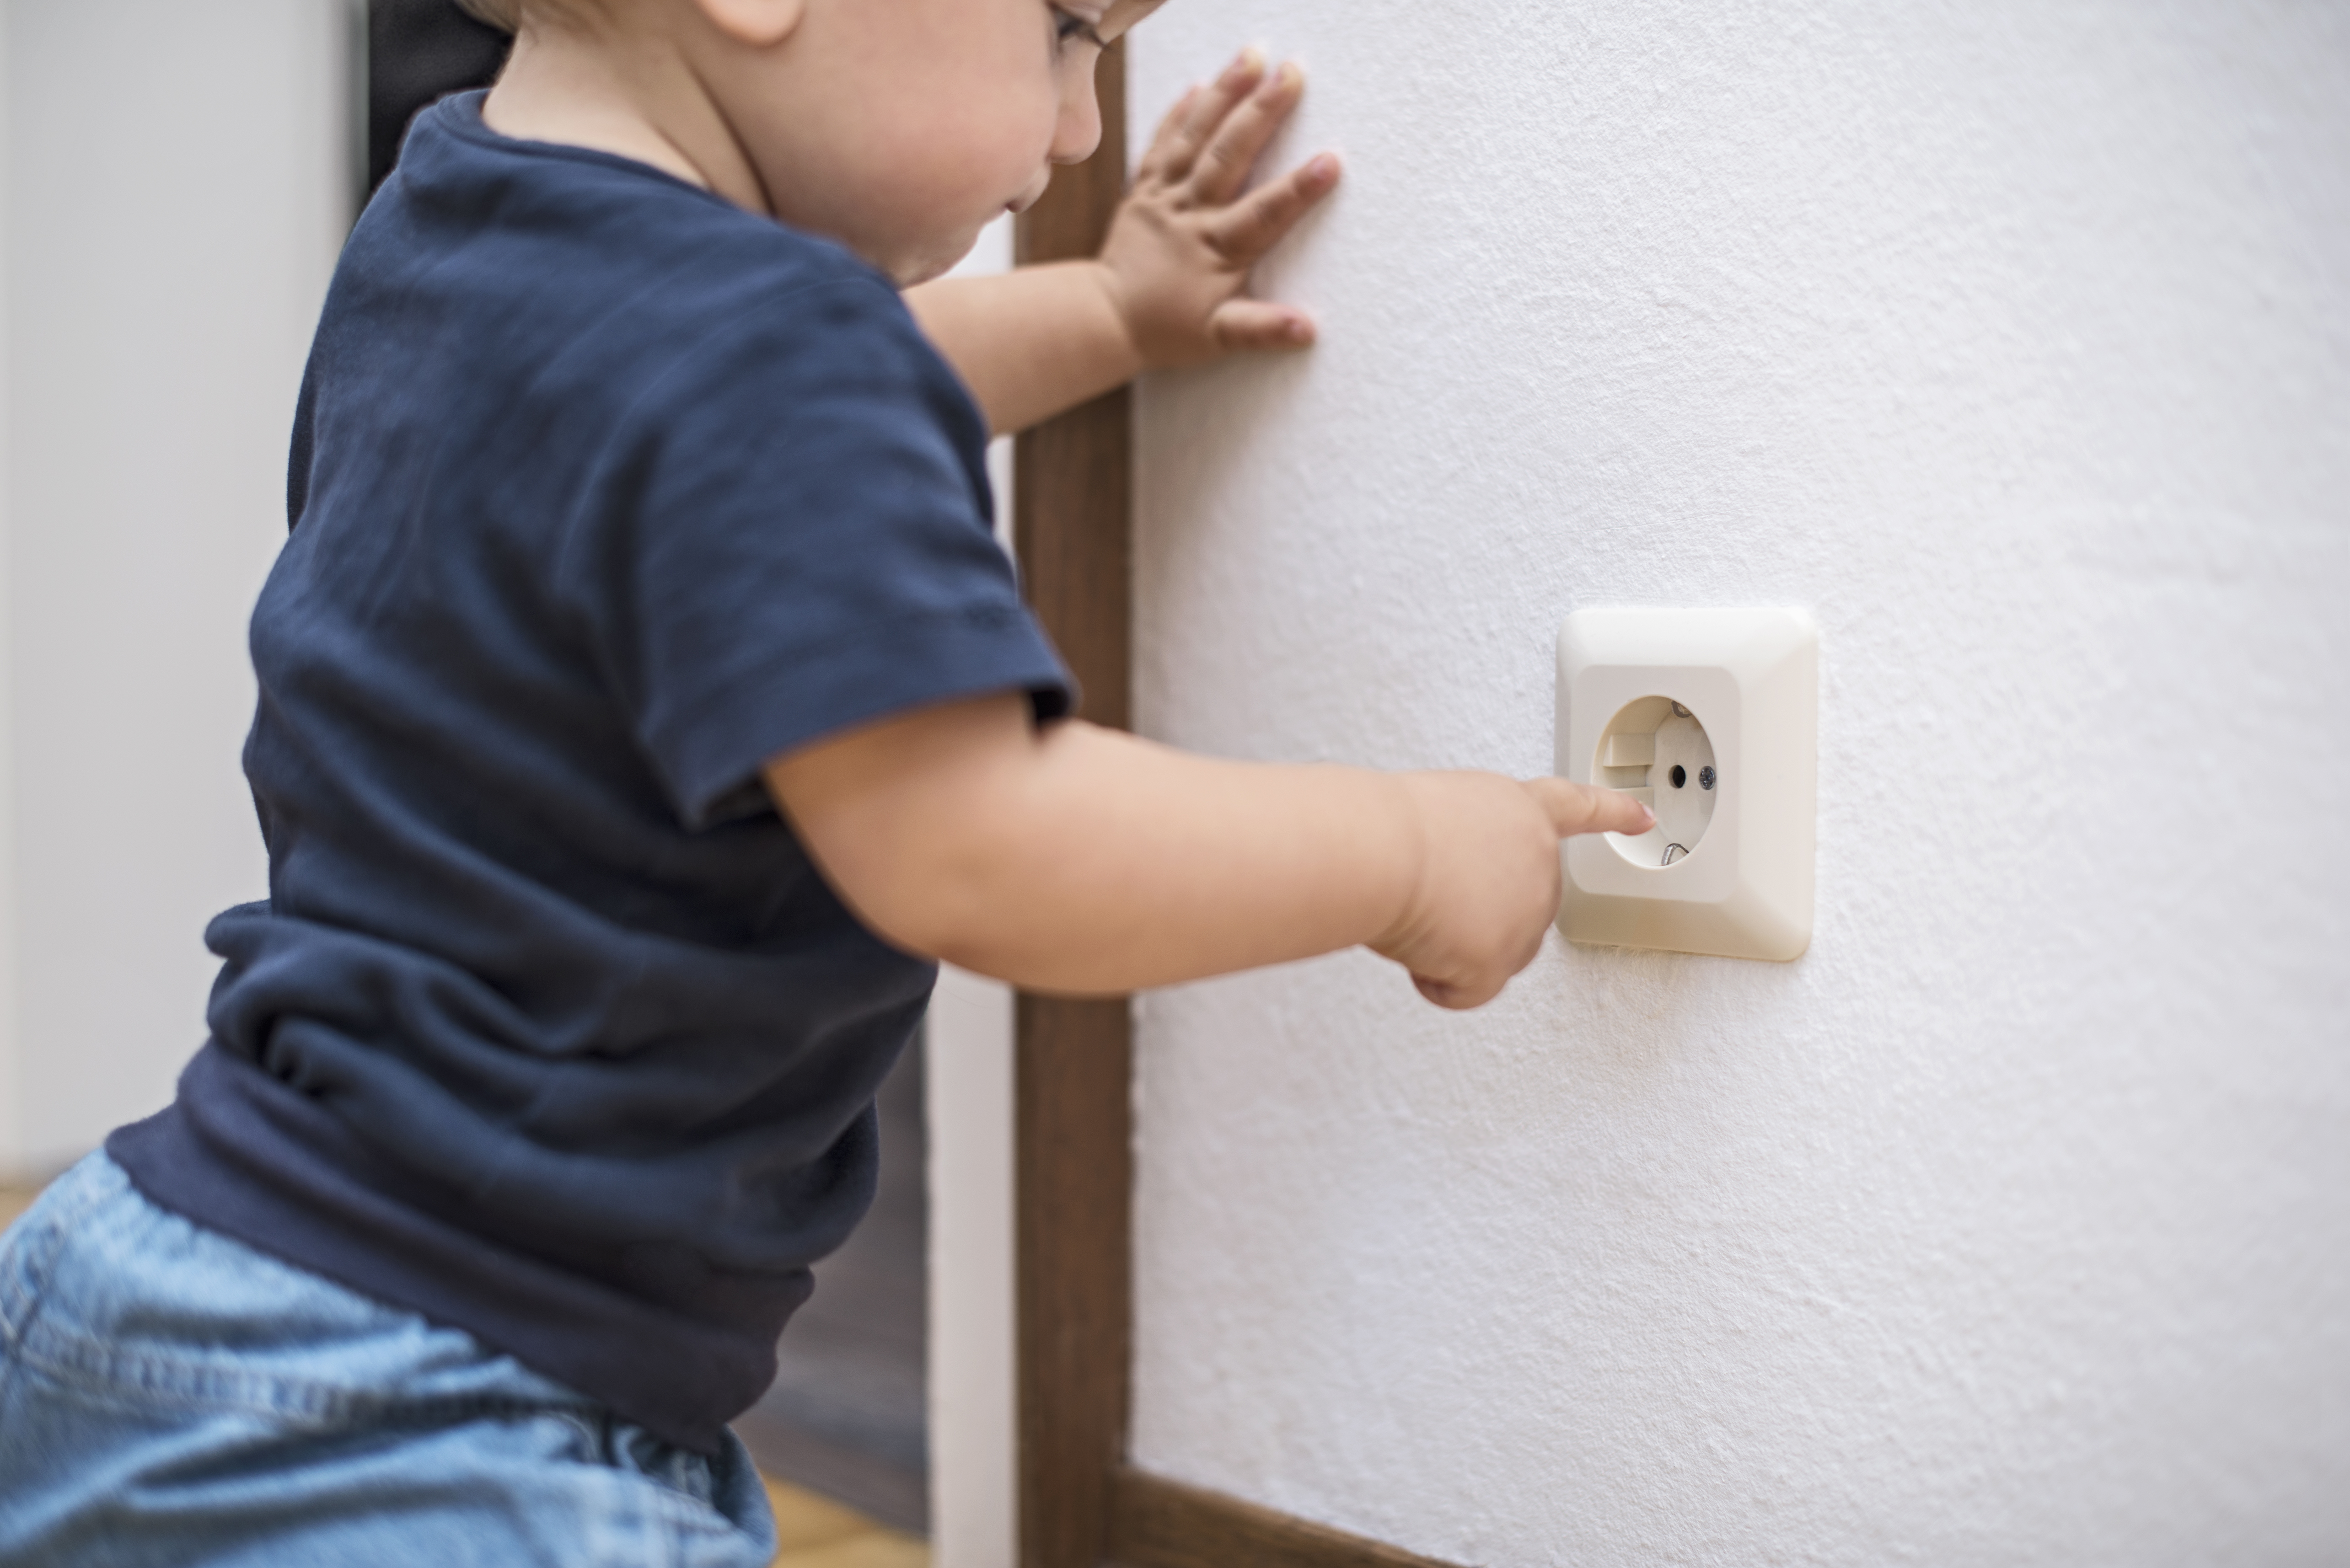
(1081, 1505)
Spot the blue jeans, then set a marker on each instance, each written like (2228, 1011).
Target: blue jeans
(170, 1396)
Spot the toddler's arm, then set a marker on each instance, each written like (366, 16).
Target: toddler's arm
(1077, 859)
(1165, 289)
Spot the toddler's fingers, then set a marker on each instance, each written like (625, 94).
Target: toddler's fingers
(1456, 998)
(1240, 325)
(1187, 128)
(1256, 224)
(1223, 165)
(1580, 808)
(1163, 140)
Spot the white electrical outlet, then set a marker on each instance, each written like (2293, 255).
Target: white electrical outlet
(1710, 718)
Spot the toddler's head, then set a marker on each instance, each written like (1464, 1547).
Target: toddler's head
(899, 127)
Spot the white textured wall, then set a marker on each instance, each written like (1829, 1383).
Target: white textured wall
(2011, 1226)
(176, 183)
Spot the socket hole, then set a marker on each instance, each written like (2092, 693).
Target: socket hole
(1654, 741)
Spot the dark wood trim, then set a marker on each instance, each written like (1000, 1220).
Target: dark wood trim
(1075, 1182)
(1071, 510)
(1159, 1523)
(1080, 1507)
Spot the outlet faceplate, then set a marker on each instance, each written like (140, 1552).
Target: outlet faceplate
(1711, 717)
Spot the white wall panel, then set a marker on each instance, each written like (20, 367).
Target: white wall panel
(2008, 1226)
(177, 186)
(968, 1066)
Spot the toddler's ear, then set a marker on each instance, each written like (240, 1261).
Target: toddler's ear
(761, 23)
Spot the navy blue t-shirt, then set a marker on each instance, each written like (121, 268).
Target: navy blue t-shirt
(605, 493)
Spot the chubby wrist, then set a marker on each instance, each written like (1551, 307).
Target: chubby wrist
(1118, 317)
(1408, 855)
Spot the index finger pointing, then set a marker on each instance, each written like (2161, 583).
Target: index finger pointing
(1583, 808)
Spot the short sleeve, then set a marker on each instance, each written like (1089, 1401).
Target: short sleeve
(793, 540)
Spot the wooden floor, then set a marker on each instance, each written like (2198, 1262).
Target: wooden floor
(812, 1531)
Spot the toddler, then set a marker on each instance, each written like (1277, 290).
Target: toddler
(645, 709)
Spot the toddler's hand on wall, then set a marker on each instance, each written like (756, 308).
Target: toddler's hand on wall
(1488, 883)
(1181, 247)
